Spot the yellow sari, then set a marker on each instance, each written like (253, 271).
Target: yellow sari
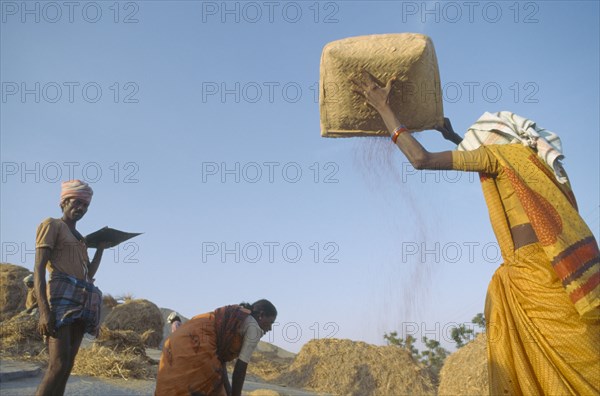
(542, 304)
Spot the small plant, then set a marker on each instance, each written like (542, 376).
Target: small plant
(434, 355)
(432, 358)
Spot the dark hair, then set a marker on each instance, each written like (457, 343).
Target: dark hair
(260, 306)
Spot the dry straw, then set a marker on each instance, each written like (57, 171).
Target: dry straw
(13, 291)
(109, 301)
(140, 316)
(115, 353)
(19, 336)
(465, 372)
(263, 392)
(121, 341)
(268, 365)
(99, 361)
(344, 367)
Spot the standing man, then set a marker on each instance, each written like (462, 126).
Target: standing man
(69, 304)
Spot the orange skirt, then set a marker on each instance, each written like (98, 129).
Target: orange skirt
(189, 364)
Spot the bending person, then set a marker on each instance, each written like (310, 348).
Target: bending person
(31, 301)
(193, 360)
(71, 306)
(174, 320)
(542, 307)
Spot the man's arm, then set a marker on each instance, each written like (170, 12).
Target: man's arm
(46, 323)
(412, 149)
(378, 98)
(239, 375)
(93, 268)
(95, 263)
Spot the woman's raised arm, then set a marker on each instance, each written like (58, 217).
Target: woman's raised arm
(378, 97)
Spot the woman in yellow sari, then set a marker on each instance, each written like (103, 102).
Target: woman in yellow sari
(543, 303)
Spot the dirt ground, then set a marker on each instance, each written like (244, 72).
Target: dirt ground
(90, 386)
(80, 385)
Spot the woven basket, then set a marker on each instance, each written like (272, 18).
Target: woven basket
(416, 95)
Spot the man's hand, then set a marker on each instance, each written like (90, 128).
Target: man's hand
(104, 245)
(46, 322)
(95, 263)
(46, 325)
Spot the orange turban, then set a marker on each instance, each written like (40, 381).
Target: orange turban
(76, 189)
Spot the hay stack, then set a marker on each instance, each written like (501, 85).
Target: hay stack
(465, 372)
(115, 353)
(101, 361)
(345, 367)
(263, 392)
(13, 291)
(121, 341)
(19, 336)
(140, 316)
(269, 362)
(109, 302)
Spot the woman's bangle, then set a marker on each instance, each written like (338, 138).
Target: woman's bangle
(397, 132)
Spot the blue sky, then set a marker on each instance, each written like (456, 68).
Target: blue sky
(197, 123)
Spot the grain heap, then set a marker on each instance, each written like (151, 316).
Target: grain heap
(356, 368)
(465, 372)
(115, 353)
(13, 291)
(269, 362)
(140, 316)
(19, 336)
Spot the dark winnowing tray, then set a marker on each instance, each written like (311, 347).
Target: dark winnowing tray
(110, 235)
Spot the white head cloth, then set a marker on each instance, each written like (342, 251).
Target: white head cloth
(505, 127)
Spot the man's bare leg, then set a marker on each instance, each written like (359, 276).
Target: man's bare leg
(61, 355)
(77, 332)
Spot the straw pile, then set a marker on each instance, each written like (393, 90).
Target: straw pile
(263, 392)
(99, 361)
(140, 316)
(19, 336)
(269, 362)
(121, 341)
(465, 371)
(109, 301)
(115, 353)
(356, 368)
(13, 291)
